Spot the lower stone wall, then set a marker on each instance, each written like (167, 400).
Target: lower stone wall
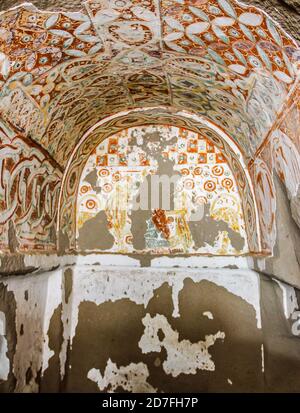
(91, 328)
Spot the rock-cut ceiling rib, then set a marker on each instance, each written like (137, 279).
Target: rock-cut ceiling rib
(61, 72)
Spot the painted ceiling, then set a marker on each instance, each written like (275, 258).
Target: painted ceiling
(62, 72)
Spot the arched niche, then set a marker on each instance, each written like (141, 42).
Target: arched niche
(154, 116)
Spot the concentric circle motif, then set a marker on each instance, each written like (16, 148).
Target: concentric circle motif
(103, 173)
(210, 186)
(91, 204)
(116, 177)
(184, 171)
(227, 183)
(129, 239)
(218, 170)
(107, 187)
(84, 189)
(189, 184)
(198, 171)
(200, 200)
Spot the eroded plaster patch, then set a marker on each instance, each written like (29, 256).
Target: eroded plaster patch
(101, 285)
(4, 360)
(290, 306)
(183, 357)
(290, 302)
(36, 297)
(132, 378)
(208, 314)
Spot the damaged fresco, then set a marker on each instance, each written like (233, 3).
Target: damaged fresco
(115, 177)
(153, 116)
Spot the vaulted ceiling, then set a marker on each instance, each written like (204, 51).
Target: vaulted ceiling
(62, 72)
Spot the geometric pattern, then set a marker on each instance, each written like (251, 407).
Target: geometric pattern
(220, 59)
(154, 117)
(122, 163)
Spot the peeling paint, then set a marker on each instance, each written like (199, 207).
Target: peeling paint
(48, 262)
(290, 302)
(183, 357)
(208, 314)
(107, 284)
(132, 378)
(247, 129)
(193, 173)
(262, 358)
(32, 324)
(4, 360)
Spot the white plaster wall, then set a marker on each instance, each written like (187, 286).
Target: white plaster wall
(38, 296)
(4, 360)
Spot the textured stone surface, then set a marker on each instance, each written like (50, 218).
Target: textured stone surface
(52, 5)
(286, 13)
(295, 207)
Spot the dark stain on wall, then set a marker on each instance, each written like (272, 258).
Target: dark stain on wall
(282, 348)
(139, 220)
(99, 332)
(68, 283)
(140, 216)
(102, 328)
(91, 178)
(50, 381)
(8, 307)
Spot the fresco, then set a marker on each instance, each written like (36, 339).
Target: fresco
(201, 192)
(279, 154)
(220, 59)
(154, 116)
(29, 189)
